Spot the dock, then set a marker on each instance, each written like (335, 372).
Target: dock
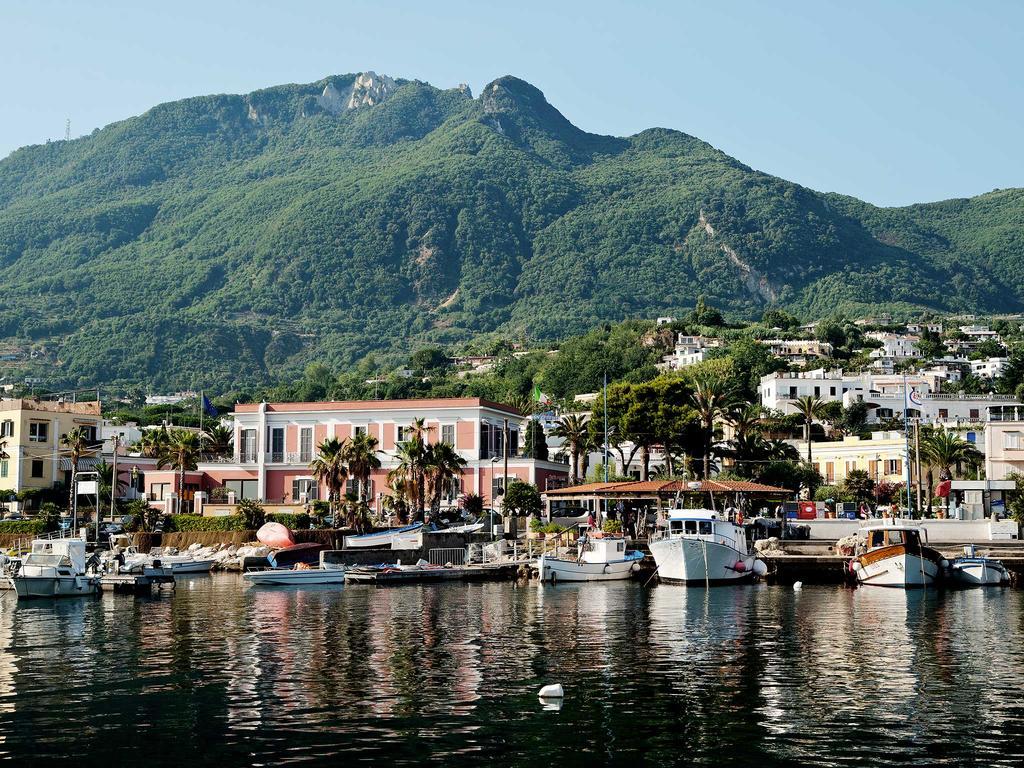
(149, 581)
(395, 576)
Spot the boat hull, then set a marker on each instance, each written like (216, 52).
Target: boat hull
(192, 566)
(297, 578)
(696, 561)
(897, 567)
(555, 570)
(29, 587)
(409, 537)
(978, 572)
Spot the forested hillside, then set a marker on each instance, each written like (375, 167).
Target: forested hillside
(221, 240)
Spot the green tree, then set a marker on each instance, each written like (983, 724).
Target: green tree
(360, 454)
(712, 398)
(218, 440)
(75, 445)
(704, 314)
(181, 452)
(809, 408)
(329, 468)
(522, 499)
(535, 444)
(442, 465)
(429, 359)
(858, 485)
(575, 434)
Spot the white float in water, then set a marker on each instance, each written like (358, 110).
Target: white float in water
(797, 586)
(552, 691)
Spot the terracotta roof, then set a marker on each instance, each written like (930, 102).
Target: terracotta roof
(669, 486)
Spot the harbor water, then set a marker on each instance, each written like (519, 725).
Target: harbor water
(447, 674)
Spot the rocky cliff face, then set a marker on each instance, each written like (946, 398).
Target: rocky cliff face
(368, 89)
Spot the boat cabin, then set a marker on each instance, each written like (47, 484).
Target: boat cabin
(603, 550)
(65, 556)
(892, 536)
(702, 524)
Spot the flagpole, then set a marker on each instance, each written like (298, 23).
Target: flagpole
(202, 408)
(906, 438)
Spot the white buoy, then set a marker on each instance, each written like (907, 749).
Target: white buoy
(552, 691)
(797, 586)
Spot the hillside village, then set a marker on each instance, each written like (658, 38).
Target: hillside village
(816, 409)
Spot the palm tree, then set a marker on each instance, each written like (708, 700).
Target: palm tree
(441, 465)
(360, 453)
(947, 452)
(573, 430)
(396, 503)
(180, 452)
(712, 397)
(810, 408)
(419, 433)
(218, 440)
(745, 419)
(152, 441)
(328, 467)
(408, 473)
(76, 444)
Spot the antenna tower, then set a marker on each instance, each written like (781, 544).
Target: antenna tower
(67, 130)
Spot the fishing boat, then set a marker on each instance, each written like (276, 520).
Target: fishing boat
(697, 547)
(971, 570)
(601, 558)
(407, 537)
(296, 576)
(897, 556)
(54, 568)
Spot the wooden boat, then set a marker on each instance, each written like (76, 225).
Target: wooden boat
(699, 548)
(407, 537)
(897, 556)
(974, 571)
(54, 568)
(601, 558)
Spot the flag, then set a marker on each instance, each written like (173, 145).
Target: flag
(539, 396)
(913, 399)
(208, 408)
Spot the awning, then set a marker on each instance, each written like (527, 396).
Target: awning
(85, 463)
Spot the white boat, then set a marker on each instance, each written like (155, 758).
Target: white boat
(468, 528)
(897, 556)
(136, 562)
(699, 548)
(54, 568)
(600, 559)
(408, 537)
(972, 570)
(296, 576)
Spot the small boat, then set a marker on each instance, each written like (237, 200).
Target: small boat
(468, 528)
(699, 548)
(296, 576)
(54, 568)
(601, 558)
(288, 557)
(407, 537)
(897, 556)
(972, 570)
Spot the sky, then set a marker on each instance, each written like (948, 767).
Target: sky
(893, 102)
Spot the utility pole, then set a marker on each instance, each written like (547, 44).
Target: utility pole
(917, 462)
(113, 478)
(605, 398)
(504, 481)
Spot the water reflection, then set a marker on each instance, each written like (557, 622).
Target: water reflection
(450, 674)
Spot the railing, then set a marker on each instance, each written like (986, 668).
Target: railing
(446, 555)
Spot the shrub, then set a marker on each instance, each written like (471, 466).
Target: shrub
(253, 513)
(296, 521)
(49, 516)
(177, 523)
(28, 527)
(612, 526)
(522, 499)
(473, 504)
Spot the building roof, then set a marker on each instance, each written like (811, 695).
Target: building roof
(668, 487)
(379, 405)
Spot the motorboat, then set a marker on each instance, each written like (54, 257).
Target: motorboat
(698, 547)
(297, 576)
(407, 537)
(54, 568)
(897, 556)
(289, 557)
(601, 558)
(972, 570)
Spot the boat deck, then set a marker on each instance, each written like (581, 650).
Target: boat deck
(138, 583)
(495, 572)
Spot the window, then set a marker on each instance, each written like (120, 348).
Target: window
(498, 485)
(830, 472)
(972, 437)
(401, 434)
(247, 446)
(243, 489)
(38, 432)
(705, 528)
(304, 485)
(275, 444)
(452, 489)
(974, 413)
(1012, 441)
(817, 391)
(448, 434)
(894, 466)
(832, 391)
(3, 468)
(850, 467)
(305, 445)
(358, 430)
(6, 428)
(943, 413)
(690, 526)
(160, 491)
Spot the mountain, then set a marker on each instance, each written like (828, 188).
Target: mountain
(229, 239)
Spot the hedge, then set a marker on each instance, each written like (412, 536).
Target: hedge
(199, 523)
(27, 527)
(296, 521)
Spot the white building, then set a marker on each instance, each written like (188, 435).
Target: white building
(992, 368)
(919, 328)
(798, 350)
(689, 350)
(895, 346)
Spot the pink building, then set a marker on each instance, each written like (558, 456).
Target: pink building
(275, 443)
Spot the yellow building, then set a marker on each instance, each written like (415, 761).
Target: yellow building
(30, 433)
(882, 457)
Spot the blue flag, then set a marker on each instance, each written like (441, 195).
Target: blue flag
(208, 408)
